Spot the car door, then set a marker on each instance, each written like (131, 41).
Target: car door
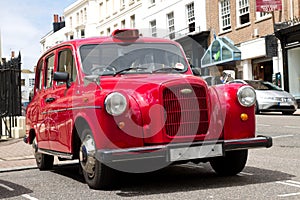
(37, 108)
(44, 122)
(60, 107)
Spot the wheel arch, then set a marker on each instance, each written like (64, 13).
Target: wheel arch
(79, 125)
(31, 136)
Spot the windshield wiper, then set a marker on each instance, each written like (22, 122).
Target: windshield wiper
(166, 69)
(128, 69)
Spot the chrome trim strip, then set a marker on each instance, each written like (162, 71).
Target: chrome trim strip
(56, 153)
(75, 108)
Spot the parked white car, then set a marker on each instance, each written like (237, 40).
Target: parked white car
(271, 98)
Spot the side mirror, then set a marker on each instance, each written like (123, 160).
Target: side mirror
(62, 77)
(196, 71)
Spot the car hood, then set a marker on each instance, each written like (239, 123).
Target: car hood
(142, 83)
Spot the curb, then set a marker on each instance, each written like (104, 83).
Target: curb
(12, 169)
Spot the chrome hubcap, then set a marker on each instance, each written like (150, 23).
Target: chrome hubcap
(87, 155)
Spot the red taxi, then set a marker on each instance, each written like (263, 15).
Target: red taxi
(131, 103)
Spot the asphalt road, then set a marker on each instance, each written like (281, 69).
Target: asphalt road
(270, 174)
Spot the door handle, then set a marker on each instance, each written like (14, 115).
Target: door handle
(49, 100)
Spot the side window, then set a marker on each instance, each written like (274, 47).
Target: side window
(49, 71)
(66, 63)
(39, 77)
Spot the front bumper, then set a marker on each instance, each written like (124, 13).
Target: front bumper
(182, 151)
(278, 106)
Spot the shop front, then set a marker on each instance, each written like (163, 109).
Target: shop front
(290, 42)
(221, 59)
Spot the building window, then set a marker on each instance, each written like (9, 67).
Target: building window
(191, 16)
(171, 25)
(82, 33)
(122, 4)
(22, 82)
(85, 15)
(81, 17)
(132, 21)
(71, 23)
(243, 12)
(153, 28)
(225, 15)
(71, 37)
(260, 15)
(77, 18)
(108, 8)
(101, 11)
(108, 31)
(31, 82)
(123, 24)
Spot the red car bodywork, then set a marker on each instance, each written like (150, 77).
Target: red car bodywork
(164, 111)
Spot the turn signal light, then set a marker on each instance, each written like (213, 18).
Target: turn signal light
(244, 117)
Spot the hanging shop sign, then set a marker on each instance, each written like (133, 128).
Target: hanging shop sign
(268, 5)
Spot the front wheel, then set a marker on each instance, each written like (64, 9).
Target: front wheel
(43, 161)
(231, 164)
(96, 174)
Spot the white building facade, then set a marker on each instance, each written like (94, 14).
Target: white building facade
(180, 20)
(27, 84)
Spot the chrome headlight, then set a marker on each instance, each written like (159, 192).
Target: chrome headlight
(246, 96)
(115, 103)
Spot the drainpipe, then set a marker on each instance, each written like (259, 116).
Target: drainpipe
(292, 11)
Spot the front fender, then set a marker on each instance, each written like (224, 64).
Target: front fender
(234, 126)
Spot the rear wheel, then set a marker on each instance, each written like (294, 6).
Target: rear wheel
(231, 164)
(96, 174)
(43, 161)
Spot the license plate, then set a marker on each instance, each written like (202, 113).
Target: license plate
(187, 153)
(283, 104)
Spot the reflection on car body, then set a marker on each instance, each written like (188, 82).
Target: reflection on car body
(271, 98)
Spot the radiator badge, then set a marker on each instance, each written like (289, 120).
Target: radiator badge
(186, 91)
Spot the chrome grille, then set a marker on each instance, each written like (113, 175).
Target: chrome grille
(186, 113)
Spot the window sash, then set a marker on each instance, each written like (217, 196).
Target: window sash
(225, 14)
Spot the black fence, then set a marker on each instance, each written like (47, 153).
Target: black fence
(10, 94)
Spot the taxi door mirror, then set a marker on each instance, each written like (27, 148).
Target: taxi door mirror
(62, 77)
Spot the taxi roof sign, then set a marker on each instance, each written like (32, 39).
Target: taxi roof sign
(126, 34)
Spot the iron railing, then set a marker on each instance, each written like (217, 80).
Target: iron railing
(10, 94)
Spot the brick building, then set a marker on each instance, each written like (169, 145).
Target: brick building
(263, 56)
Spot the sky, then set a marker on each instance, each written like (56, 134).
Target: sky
(22, 25)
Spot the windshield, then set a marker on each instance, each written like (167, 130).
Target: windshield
(263, 85)
(110, 59)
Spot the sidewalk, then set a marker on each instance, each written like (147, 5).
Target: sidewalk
(16, 155)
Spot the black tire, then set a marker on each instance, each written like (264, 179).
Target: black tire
(101, 176)
(288, 112)
(231, 164)
(43, 161)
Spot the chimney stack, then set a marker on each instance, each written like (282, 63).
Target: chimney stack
(58, 23)
(55, 16)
